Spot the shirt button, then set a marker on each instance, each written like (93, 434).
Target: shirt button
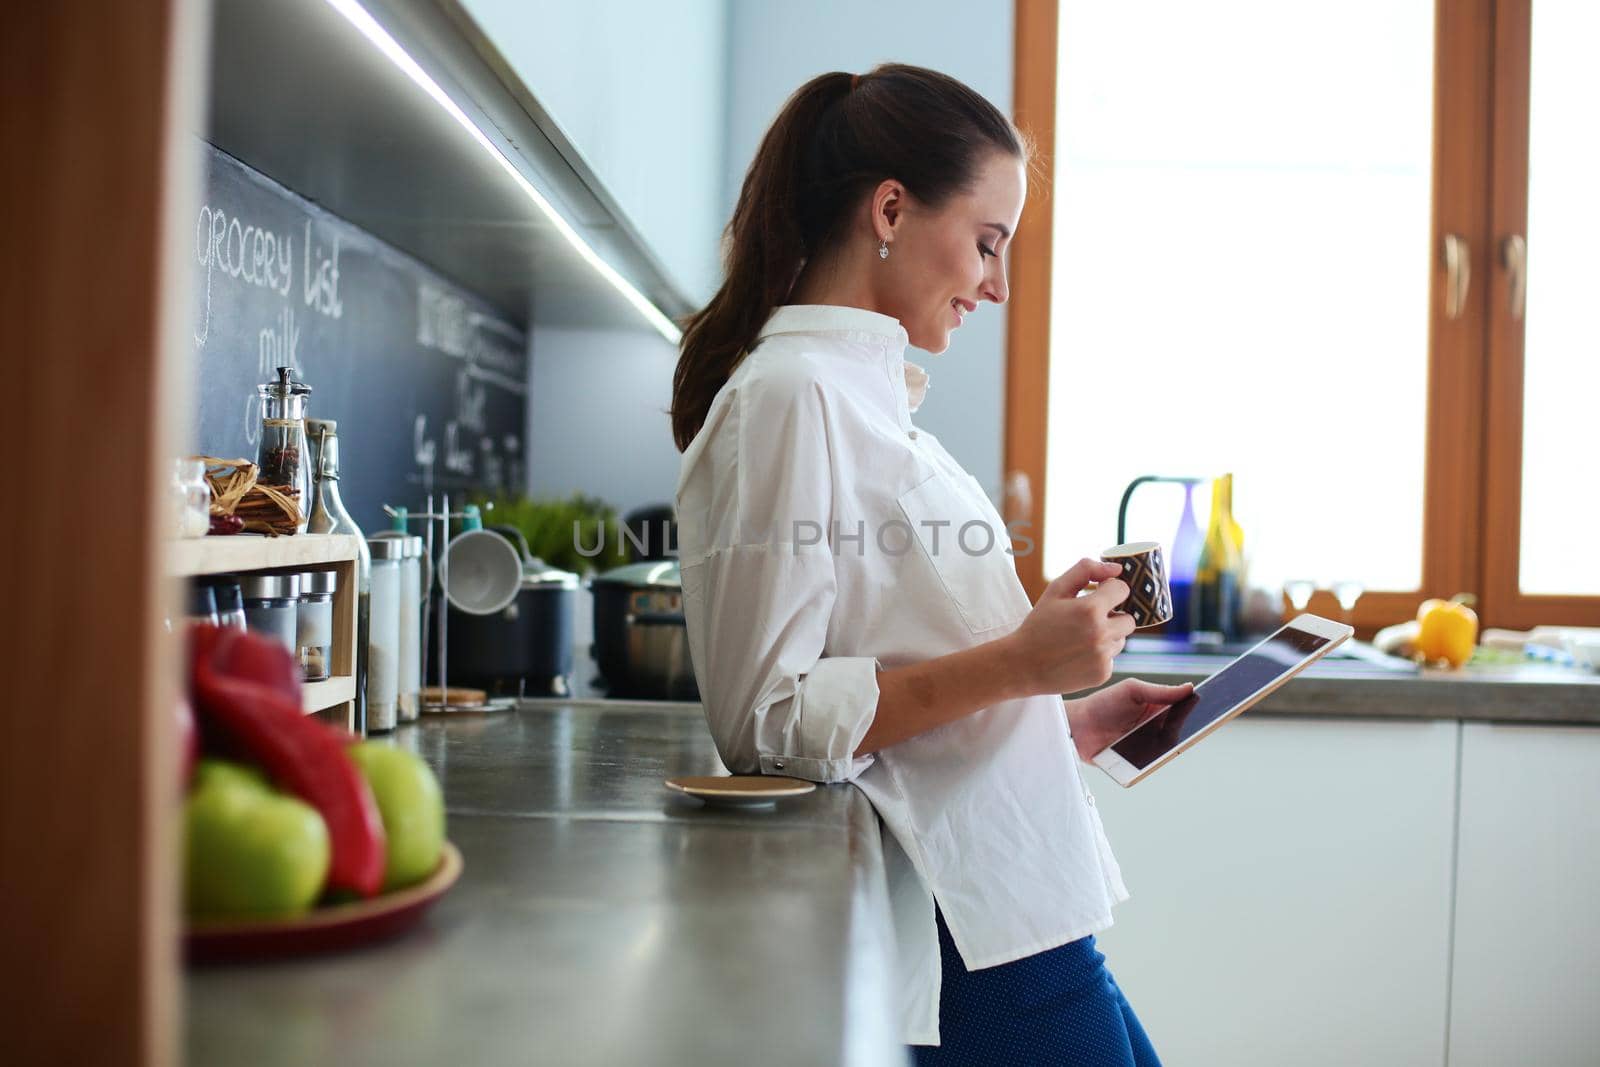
(911, 434)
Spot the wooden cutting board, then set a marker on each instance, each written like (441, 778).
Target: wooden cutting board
(460, 697)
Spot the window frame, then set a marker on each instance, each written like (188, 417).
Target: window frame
(1472, 479)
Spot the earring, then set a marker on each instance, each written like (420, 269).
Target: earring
(883, 249)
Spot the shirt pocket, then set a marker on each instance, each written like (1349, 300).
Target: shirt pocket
(965, 550)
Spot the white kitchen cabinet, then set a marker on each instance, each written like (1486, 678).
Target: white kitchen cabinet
(1290, 885)
(1526, 973)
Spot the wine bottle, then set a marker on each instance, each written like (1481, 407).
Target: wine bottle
(1241, 582)
(1185, 562)
(1216, 585)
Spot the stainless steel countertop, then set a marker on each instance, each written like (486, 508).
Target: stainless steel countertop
(600, 919)
(1529, 693)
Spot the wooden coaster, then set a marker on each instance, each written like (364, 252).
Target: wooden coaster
(741, 791)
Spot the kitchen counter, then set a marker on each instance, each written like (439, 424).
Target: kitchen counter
(1524, 693)
(600, 918)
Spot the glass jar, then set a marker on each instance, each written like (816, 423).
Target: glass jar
(202, 604)
(230, 601)
(314, 623)
(269, 606)
(285, 464)
(411, 629)
(191, 498)
(383, 634)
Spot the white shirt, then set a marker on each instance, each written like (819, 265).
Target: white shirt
(822, 536)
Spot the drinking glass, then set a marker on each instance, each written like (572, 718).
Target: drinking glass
(1299, 591)
(1347, 591)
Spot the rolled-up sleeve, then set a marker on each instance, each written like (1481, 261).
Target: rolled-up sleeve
(757, 605)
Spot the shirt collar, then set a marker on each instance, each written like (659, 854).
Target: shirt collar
(833, 318)
(857, 323)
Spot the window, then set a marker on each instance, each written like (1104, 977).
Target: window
(1287, 242)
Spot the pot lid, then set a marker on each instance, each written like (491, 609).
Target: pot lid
(537, 574)
(659, 574)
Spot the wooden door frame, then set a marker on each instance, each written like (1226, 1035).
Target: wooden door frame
(1028, 320)
(100, 99)
(1502, 468)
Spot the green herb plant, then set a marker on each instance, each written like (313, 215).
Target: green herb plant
(556, 527)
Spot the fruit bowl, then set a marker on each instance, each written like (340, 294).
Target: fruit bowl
(325, 929)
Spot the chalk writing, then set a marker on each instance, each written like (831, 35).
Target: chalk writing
(320, 288)
(279, 345)
(458, 459)
(239, 250)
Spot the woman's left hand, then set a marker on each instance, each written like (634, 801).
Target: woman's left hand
(1100, 718)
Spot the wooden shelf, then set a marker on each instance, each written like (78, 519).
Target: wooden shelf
(319, 696)
(256, 552)
(239, 553)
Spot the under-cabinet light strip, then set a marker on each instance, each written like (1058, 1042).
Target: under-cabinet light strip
(362, 20)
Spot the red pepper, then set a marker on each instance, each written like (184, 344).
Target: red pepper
(239, 690)
(254, 659)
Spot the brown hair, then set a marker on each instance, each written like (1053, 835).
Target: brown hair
(836, 138)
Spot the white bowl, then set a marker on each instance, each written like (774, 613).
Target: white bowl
(480, 572)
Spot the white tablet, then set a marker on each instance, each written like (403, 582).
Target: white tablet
(1220, 697)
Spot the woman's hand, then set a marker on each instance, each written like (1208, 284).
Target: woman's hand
(1067, 642)
(1100, 718)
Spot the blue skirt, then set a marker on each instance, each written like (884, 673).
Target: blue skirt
(1060, 1006)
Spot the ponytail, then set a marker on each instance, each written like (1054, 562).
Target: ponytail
(837, 136)
(765, 250)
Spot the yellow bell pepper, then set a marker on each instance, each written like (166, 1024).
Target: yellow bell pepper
(1448, 630)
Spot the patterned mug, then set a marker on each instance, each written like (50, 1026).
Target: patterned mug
(1143, 568)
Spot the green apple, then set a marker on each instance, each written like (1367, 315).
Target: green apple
(249, 851)
(412, 807)
(217, 772)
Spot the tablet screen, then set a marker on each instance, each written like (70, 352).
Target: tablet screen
(1217, 695)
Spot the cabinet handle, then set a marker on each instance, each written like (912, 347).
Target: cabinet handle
(1514, 255)
(1458, 274)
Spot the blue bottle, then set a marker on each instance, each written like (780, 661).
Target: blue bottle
(1184, 563)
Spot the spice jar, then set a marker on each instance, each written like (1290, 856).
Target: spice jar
(269, 606)
(314, 623)
(282, 455)
(230, 601)
(383, 634)
(202, 604)
(191, 498)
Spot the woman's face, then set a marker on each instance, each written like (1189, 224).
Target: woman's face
(942, 263)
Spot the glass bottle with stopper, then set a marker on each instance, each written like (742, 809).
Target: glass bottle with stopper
(329, 516)
(282, 458)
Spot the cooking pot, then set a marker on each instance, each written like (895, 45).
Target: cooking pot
(641, 644)
(524, 648)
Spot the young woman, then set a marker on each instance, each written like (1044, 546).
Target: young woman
(853, 607)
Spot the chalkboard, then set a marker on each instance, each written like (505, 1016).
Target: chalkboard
(425, 380)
